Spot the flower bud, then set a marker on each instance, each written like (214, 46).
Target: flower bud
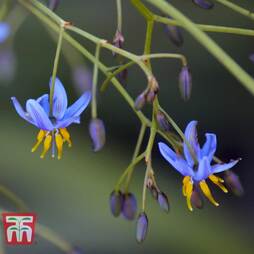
(163, 201)
(174, 34)
(185, 83)
(140, 101)
(116, 203)
(154, 192)
(53, 4)
(162, 121)
(118, 40)
(129, 207)
(196, 199)
(204, 4)
(97, 134)
(234, 184)
(82, 78)
(142, 227)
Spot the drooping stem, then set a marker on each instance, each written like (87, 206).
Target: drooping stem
(119, 15)
(95, 81)
(226, 60)
(237, 8)
(55, 68)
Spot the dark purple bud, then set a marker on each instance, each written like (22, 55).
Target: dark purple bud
(174, 34)
(142, 227)
(185, 83)
(53, 4)
(251, 57)
(140, 101)
(82, 78)
(163, 202)
(154, 192)
(76, 250)
(129, 207)
(233, 183)
(118, 40)
(116, 202)
(196, 199)
(204, 4)
(150, 96)
(162, 121)
(97, 134)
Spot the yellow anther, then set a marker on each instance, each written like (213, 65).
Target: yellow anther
(40, 138)
(186, 179)
(204, 187)
(66, 135)
(47, 145)
(59, 145)
(218, 181)
(189, 190)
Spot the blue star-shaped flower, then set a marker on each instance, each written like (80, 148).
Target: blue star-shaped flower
(195, 173)
(53, 128)
(4, 31)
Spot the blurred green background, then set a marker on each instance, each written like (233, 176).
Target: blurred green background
(71, 196)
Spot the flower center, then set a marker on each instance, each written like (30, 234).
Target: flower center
(55, 138)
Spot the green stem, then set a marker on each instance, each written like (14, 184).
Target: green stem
(237, 8)
(147, 14)
(148, 41)
(95, 81)
(135, 154)
(166, 55)
(105, 84)
(119, 15)
(55, 68)
(207, 28)
(207, 42)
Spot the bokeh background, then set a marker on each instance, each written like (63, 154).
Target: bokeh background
(71, 196)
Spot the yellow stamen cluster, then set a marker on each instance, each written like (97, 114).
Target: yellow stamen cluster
(188, 189)
(58, 136)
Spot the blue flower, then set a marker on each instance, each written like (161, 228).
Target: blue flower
(53, 127)
(4, 31)
(195, 163)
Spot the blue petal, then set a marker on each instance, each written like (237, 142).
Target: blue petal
(204, 170)
(175, 160)
(39, 116)
(79, 106)
(209, 147)
(223, 167)
(4, 31)
(21, 111)
(191, 136)
(60, 101)
(44, 102)
(68, 121)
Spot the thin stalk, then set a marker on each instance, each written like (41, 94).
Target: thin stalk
(208, 28)
(119, 15)
(245, 79)
(95, 81)
(148, 41)
(237, 8)
(55, 68)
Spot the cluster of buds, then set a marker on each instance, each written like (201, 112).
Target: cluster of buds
(148, 95)
(123, 204)
(204, 4)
